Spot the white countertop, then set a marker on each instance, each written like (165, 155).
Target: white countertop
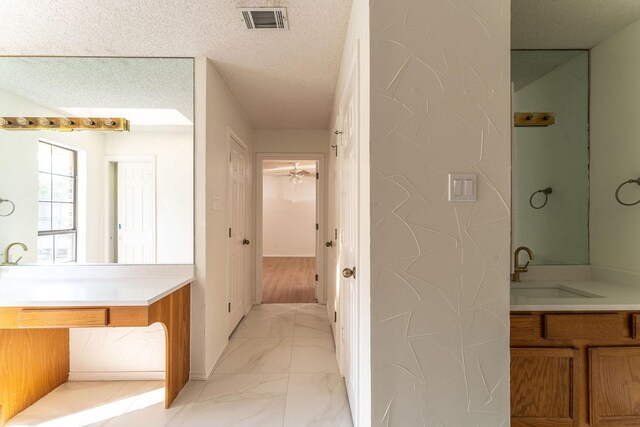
(85, 286)
(611, 296)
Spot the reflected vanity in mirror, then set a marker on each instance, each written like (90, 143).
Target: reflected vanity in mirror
(96, 196)
(551, 163)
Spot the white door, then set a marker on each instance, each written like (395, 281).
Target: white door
(348, 240)
(237, 235)
(136, 213)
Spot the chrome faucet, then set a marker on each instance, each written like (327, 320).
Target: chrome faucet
(7, 251)
(517, 269)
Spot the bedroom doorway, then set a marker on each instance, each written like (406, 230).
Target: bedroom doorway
(289, 230)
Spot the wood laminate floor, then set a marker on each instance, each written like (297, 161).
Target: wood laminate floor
(288, 279)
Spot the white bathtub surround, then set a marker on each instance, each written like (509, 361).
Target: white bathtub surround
(307, 391)
(101, 354)
(440, 95)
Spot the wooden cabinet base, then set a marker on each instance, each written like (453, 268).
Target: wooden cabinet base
(34, 361)
(575, 369)
(544, 387)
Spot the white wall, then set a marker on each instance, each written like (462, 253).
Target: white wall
(19, 181)
(615, 92)
(291, 140)
(288, 217)
(216, 113)
(556, 156)
(440, 103)
(173, 153)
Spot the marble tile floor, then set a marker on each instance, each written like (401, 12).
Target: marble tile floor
(279, 370)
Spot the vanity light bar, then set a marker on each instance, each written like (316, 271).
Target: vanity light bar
(533, 119)
(65, 124)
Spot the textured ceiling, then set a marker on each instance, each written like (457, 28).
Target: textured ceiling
(101, 82)
(528, 66)
(282, 79)
(568, 24)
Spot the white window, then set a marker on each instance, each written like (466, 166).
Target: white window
(57, 218)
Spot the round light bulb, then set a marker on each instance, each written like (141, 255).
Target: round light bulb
(44, 121)
(109, 122)
(3, 121)
(66, 122)
(88, 122)
(22, 121)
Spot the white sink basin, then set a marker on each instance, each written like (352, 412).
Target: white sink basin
(550, 291)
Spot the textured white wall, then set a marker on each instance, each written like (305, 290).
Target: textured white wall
(555, 156)
(440, 103)
(288, 217)
(615, 91)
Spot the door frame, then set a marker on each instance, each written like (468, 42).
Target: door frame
(110, 190)
(321, 291)
(234, 138)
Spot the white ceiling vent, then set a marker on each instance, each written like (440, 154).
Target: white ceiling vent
(265, 18)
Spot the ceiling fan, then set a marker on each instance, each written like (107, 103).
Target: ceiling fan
(295, 174)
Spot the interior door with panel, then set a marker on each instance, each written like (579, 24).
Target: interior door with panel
(136, 213)
(237, 232)
(614, 386)
(545, 387)
(348, 240)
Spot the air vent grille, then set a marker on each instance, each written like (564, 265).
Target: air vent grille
(265, 18)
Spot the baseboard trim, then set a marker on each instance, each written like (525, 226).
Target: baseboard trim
(118, 376)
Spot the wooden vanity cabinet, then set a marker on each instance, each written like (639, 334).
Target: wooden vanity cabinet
(544, 387)
(575, 369)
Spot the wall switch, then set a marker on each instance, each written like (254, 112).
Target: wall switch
(216, 202)
(463, 187)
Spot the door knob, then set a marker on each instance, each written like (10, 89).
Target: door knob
(349, 272)
(329, 243)
(245, 242)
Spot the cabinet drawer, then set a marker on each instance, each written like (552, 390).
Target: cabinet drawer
(526, 327)
(584, 326)
(62, 318)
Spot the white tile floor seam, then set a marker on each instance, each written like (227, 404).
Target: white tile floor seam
(278, 370)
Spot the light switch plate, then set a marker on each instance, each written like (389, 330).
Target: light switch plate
(463, 187)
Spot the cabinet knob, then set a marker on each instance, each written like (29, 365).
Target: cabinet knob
(329, 243)
(245, 242)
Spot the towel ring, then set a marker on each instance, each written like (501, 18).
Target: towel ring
(13, 206)
(631, 181)
(546, 193)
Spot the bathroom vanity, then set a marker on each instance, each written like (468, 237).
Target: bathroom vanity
(575, 353)
(36, 313)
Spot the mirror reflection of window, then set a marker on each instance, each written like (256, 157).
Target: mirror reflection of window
(57, 226)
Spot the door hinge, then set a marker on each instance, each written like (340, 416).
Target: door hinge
(317, 175)
(316, 277)
(317, 226)
(229, 307)
(335, 316)
(229, 232)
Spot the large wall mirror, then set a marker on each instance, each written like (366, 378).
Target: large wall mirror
(551, 163)
(97, 196)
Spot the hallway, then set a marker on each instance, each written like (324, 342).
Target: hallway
(279, 369)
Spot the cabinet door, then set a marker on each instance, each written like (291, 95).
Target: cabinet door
(544, 387)
(614, 386)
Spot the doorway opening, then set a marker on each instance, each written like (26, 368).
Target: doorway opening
(130, 210)
(290, 229)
